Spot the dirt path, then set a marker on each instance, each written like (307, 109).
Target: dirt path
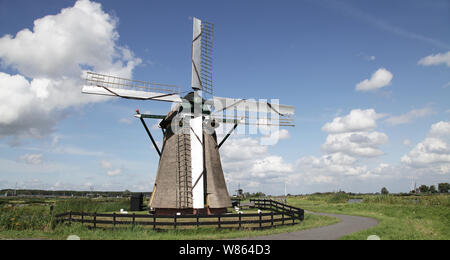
(347, 225)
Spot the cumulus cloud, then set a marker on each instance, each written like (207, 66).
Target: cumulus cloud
(50, 60)
(357, 120)
(436, 59)
(440, 129)
(365, 144)
(327, 169)
(433, 153)
(110, 169)
(275, 136)
(381, 78)
(351, 139)
(410, 116)
(249, 163)
(354, 134)
(31, 158)
(406, 142)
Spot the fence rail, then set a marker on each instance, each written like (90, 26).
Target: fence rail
(280, 214)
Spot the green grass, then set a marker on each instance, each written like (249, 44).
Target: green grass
(400, 218)
(31, 219)
(143, 233)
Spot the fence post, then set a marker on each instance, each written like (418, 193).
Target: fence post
(198, 221)
(260, 220)
(95, 220)
(218, 218)
(134, 219)
(271, 218)
(240, 220)
(82, 217)
(70, 218)
(154, 222)
(282, 217)
(114, 219)
(175, 222)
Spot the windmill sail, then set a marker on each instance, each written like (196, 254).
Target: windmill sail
(252, 112)
(196, 81)
(132, 89)
(202, 56)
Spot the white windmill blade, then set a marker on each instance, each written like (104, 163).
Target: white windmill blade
(196, 54)
(258, 121)
(99, 84)
(202, 42)
(249, 105)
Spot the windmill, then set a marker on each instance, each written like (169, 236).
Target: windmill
(190, 178)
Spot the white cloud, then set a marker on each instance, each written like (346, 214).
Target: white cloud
(363, 144)
(249, 163)
(357, 120)
(381, 78)
(327, 168)
(406, 142)
(125, 120)
(436, 59)
(110, 169)
(114, 172)
(351, 138)
(410, 116)
(31, 158)
(276, 136)
(433, 153)
(106, 164)
(50, 60)
(440, 129)
(55, 140)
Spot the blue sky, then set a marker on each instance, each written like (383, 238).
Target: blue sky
(309, 54)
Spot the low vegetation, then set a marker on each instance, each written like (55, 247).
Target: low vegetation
(32, 218)
(425, 217)
(400, 217)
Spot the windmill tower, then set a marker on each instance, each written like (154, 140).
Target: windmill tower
(190, 178)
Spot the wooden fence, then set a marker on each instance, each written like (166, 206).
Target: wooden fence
(280, 214)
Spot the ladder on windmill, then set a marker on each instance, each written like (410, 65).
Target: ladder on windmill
(184, 177)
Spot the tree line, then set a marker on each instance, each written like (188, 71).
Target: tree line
(27, 192)
(442, 188)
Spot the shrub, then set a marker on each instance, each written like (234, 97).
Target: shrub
(339, 198)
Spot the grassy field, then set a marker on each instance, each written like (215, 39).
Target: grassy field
(401, 218)
(30, 218)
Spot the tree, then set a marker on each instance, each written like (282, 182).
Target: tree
(443, 187)
(433, 189)
(127, 193)
(384, 191)
(423, 189)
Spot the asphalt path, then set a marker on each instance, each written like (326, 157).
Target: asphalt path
(347, 225)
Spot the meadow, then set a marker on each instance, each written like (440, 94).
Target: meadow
(425, 217)
(30, 218)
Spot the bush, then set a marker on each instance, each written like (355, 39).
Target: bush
(23, 218)
(339, 198)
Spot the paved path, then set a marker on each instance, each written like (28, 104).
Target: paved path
(347, 225)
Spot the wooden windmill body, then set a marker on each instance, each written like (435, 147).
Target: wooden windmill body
(190, 178)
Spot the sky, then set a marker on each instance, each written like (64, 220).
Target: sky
(370, 82)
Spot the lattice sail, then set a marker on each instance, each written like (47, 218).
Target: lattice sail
(206, 57)
(100, 84)
(252, 112)
(202, 43)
